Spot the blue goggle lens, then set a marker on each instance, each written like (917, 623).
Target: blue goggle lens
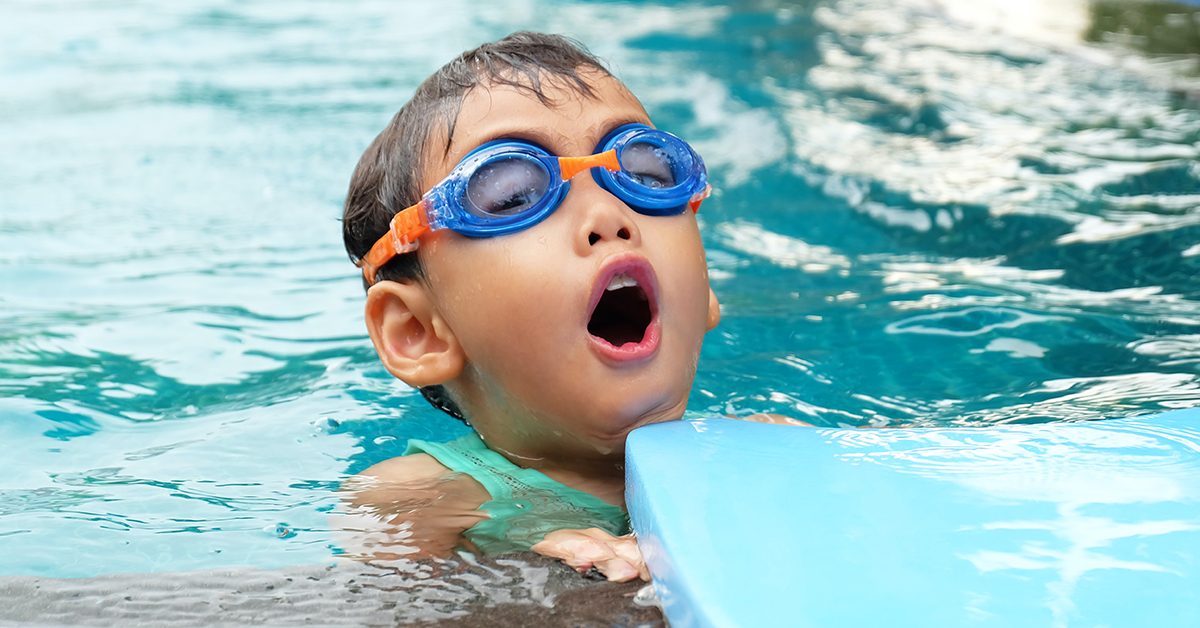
(649, 165)
(506, 185)
(659, 173)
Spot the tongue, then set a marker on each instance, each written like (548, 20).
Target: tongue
(621, 316)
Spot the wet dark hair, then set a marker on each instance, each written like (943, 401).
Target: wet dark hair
(387, 178)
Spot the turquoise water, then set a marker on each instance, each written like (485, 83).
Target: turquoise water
(925, 216)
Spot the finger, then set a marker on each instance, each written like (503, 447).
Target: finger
(552, 548)
(560, 543)
(576, 550)
(617, 570)
(643, 570)
(580, 565)
(627, 548)
(588, 548)
(633, 556)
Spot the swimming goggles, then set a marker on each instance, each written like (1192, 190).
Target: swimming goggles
(508, 185)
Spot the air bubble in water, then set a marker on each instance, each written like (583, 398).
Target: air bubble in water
(281, 530)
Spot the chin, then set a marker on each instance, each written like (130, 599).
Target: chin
(660, 409)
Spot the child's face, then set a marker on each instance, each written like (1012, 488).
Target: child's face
(536, 380)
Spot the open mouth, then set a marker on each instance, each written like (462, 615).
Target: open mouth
(624, 324)
(623, 312)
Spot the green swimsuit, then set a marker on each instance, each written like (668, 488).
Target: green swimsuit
(525, 504)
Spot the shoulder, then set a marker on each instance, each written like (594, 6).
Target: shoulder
(406, 468)
(415, 478)
(407, 506)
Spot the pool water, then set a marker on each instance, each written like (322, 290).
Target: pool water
(925, 215)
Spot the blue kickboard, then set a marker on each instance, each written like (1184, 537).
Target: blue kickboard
(1063, 524)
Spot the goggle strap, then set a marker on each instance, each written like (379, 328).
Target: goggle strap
(405, 228)
(694, 203)
(571, 166)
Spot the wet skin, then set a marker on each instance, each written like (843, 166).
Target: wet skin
(502, 322)
(508, 315)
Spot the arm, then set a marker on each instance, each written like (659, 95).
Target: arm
(408, 507)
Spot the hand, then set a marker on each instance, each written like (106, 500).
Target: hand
(777, 419)
(617, 557)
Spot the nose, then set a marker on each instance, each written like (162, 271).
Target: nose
(606, 220)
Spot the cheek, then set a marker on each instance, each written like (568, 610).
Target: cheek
(684, 273)
(505, 300)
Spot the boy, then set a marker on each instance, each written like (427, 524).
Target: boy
(553, 304)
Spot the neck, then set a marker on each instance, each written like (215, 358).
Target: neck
(603, 478)
(564, 460)
(532, 442)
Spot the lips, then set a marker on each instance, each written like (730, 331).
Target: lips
(623, 323)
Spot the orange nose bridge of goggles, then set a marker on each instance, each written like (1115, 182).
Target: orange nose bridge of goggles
(571, 166)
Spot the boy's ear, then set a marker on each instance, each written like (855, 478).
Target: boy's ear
(412, 339)
(714, 310)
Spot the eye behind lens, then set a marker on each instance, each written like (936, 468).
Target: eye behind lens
(651, 165)
(659, 172)
(658, 164)
(506, 185)
(651, 151)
